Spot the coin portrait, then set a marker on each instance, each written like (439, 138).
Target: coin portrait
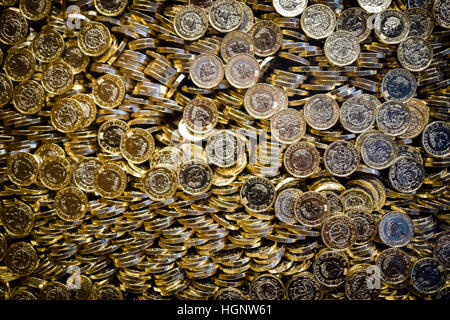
(242, 71)
(191, 23)
(206, 71)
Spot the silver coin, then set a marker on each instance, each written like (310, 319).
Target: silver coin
(396, 229)
(406, 174)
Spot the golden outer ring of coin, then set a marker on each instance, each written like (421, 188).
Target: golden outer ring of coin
(315, 159)
(118, 171)
(144, 134)
(110, 12)
(195, 191)
(367, 186)
(308, 107)
(10, 72)
(248, 100)
(327, 225)
(416, 124)
(43, 174)
(154, 194)
(381, 123)
(360, 138)
(309, 276)
(245, 201)
(374, 9)
(442, 21)
(321, 256)
(237, 34)
(61, 66)
(282, 97)
(419, 104)
(35, 15)
(76, 173)
(22, 293)
(49, 149)
(325, 9)
(336, 197)
(110, 78)
(210, 148)
(298, 214)
(369, 217)
(55, 290)
(94, 52)
(398, 14)
(25, 209)
(365, 152)
(389, 252)
(177, 22)
(210, 84)
(354, 165)
(41, 56)
(296, 116)
(17, 16)
(101, 132)
(71, 216)
(402, 57)
(426, 145)
(112, 290)
(214, 23)
(27, 157)
(363, 195)
(204, 102)
(20, 247)
(7, 93)
(86, 99)
(278, 40)
(74, 106)
(425, 14)
(266, 275)
(348, 106)
(355, 12)
(168, 157)
(247, 17)
(341, 34)
(85, 59)
(289, 13)
(381, 190)
(236, 293)
(27, 85)
(238, 84)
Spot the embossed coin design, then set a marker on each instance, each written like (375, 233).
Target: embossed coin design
(301, 159)
(110, 134)
(22, 168)
(74, 57)
(441, 250)
(420, 22)
(6, 89)
(267, 37)
(378, 151)
(234, 43)
(108, 91)
(48, 45)
(200, 115)
(391, 26)
(303, 286)
(110, 7)
(137, 145)
(242, 71)
(261, 101)
(357, 114)
(341, 158)
(190, 22)
(17, 219)
(311, 209)
(284, 205)
(428, 275)
(195, 177)
(287, 126)
(393, 118)
(318, 21)
(417, 122)
(440, 12)
(206, 71)
(66, 115)
(83, 174)
(14, 26)
(374, 6)
(289, 8)
(28, 97)
(160, 184)
(399, 85)
(357, 283)
(247, 17)
(415, 54)
(338, 232)
(335, 205)
(267, 287)
(35, 9)
(356, 198)
(110, 180)
(19, 64)
(396, 229)
(436, 139)
(88, 106)
(229, 294)
(57, 78)
(258, 194)
(330, 268)
(406, 174)
(54, 172)
(55, 290)
(342, 48)
(366, 225)
(355, 21)
(21, 258)
(94, 39)
(70, 204)
(224, 148)
(225, 15)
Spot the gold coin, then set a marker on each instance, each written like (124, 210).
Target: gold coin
(6, 89)
(94, 39)
(54, 172)
(200, 115)
(242, 71)
(22, 168)
(341, 48)
(355, 21)
(421, 22)
(137, 145)
(318, 21)
(195, 177)
(21, 258)
(83, 174)
(356, 198)
(19, 64)
(110, 134)
(391, 26)
(108, 91)
(13, 27)
(328, 260)
(258, 194)
(234, 43)
(206, 71)
(321, 111)
(110, 8)
(267, 37)
(55, 290)
(49, 149)
(35, 9)
(287, 126)
(47, 45)
(366, 225)
(378, 151)
(88, 106)
(341, 158)
(70, 204)
(57, 78)
(393, 118)
(225, 15)
(66, 115)
(74, 57)
(284, 205)
(168, 157)
(160, 184)
(224, 148)
(415, 54)
(110, 180)
(108, 292)
(301, 159)
(17, 219)
(339, 232)
(261, 101)
(28, 97)
(190, 22)
(311, 209)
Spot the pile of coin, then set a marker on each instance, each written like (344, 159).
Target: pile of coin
(224, 149)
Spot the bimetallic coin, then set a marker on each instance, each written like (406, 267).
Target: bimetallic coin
(416, 124)
(70, 204)
(267, 37)
(247, 17)
(393, 118)
(24, 294)
(200, 115)
(13, 27)
(19, 64)
(225, 15)
(354, 20)
(342, 48)
(356, 198)
(66, 115)
(190, 22)
(160, 184)
(83, 174)
(391, 26)
(441, 9)
(108, 292)
(374, 6)
(282, 97)
(335, 205)
(54, 172)
(229, 294)
(6, 89)
(301, 159)
(441, 250)
(47, 45)
(394, 265)
(311, 209)
(357, 114)
(284, 205)
(242, 71)
(35, 9)
(427, 4)
(436, 139)
(234, 43)
(318, 21)
(406, 174)
(289, 8)
(421, 22)
(57, 78)
(321, 111)
(49, 149)
(443, 294)
(341, 158)
(74, 57)
(28, 97)
(94, 39)
(108, 91)
(399, 85)
(415, 54)
(22, 168)
(110, 7)
(357, 283)
(206, 71)
(3, 246)
(55, 290)
(287, 126)
(224, 148)
(378, 151)
(137, 145)
(409, 151)
(21, 258)
(331, 268)
(366, 225)
(338, 232)
(267, 287)
(428, 275)
(261, 101)
(168, 157)
(396, 229)
(110, 180)
(88, 106)
(303, 286)
(110, 134)
(18, 219)
(195, 177)
(258, 194)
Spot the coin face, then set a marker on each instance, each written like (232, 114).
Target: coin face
(287, 126)
(428, 275)
(356, 198)
(289, 8)
(366, 226)
(66, 115)
(160, 184)
(17, 219)
(303, 286)
(74, 57)
(70, 204)
(137, 145)
(49, 149)
(28, 97)
(331, 268)
(19, 64)
(321, 111)
(267, 287)
(374, 6)
(229, 294)
(421, 22)
(55, 290)
(406, 174)
(88, 106)
(86, 290)
(94, 39)
(356, 284)
(108, 292)
(110, 134)
(6, 89)
(190, 22)
(242, 71)
(318, 21)
(21, 258)
(441, 250)
(391, 26)
(225, 15)
(436, 139)
(335, 205)
(224, 148)
(13, 27)
(110, 180)
(395, 265)
(393, 118)
(396, 229)
(110, 7)
(311, 209)
(408, 151)
(341, 158)
(54, 172)
(301, 159)
(108, 91)
(200, 115)
(415, 53)
(247, 17)
(357, 114)
(284, 205)
(57, 78)
(206, 71)
(440, 12)
(267, 37)
(399, 85)
(258, 194)
(342, 48)
(354, 20)
(35, 9)
(338, 232)
(22, 168)
(195, 177)
(261, 101)
(48, 45)
(378, 151)
(417, 122)
(167, 157)
(83, 174)
(234, 43)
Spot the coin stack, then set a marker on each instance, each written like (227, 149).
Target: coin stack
(225, 149)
